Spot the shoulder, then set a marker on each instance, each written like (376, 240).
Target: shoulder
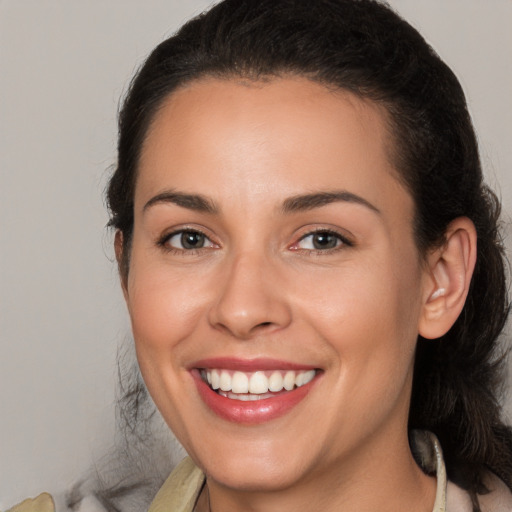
(181, 490)
(43, 503)
(499, 498)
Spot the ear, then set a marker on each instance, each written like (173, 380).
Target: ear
(121, 264)
(448, 277)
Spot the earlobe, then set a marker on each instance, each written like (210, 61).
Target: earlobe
(450, 269)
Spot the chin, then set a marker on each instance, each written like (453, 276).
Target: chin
(254, 477)
(249, 467)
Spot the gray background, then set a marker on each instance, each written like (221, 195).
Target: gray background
(63, 67)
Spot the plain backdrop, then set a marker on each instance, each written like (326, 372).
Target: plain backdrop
(63, 67)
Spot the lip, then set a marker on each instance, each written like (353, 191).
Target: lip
(252, 412)
(249, 365)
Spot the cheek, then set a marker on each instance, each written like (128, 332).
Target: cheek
(164, 306)
(368, 313)
(362, 300)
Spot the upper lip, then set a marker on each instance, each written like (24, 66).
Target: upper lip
(250, 365)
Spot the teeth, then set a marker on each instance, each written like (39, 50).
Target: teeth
(258, 383)
(239, 383)
(289, 381)
(215, 379)
(307, 377)
(245, 397)
(225, 381)
(253, 385)
(275, 382)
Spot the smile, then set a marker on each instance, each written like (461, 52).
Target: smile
(252, 392)
(259, 385)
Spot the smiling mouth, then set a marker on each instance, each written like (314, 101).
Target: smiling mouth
(258, 385)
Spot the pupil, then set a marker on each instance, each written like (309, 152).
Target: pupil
(324, 241)
(192, 240)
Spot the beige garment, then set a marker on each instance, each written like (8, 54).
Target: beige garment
(181, 490)
(43, 503)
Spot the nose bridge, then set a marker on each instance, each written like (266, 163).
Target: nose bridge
(250, 299)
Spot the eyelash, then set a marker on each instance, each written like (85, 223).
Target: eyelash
(163, 242)
(342, 242)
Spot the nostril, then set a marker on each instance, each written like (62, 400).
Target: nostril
(262, 325)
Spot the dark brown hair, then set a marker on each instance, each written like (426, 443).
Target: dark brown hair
(364, 47)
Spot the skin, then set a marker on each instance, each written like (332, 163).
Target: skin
(258, 288)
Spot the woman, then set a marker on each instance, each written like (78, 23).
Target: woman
(312, 265)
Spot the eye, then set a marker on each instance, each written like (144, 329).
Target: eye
(187, 240)
(321, 241)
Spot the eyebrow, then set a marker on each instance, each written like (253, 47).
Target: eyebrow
(194, 202)
(318, 199)
(200, 203)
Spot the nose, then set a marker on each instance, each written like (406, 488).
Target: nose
(251, 299)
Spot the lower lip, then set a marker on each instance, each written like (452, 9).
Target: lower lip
(252, 412)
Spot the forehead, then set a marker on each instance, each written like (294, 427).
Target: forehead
(283, 136)
(292, 100)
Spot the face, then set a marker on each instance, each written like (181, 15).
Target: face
(273, 259)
